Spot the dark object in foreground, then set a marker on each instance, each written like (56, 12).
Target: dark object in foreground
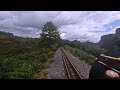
(98, 70)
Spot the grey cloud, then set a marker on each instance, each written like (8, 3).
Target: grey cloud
(5, 15)
(37, 19)
(33, 19)
(80, 25)
(72, 36)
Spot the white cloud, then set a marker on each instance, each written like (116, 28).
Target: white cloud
(80, 25)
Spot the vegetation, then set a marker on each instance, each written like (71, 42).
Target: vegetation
(5, 34)
(50, 34)
(86, 51)
(22, 59)
(25, 58)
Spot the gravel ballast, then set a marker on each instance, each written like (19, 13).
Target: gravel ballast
(56, 69)
(82, 67)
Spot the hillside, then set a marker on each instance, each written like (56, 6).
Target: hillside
(28, 58)
(86, 51)
(5, 34)
(23, 58)
(111, 41)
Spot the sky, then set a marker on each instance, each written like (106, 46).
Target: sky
(72, 25)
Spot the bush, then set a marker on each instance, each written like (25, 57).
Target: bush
(43, 58)
(22, 65)
(21, 58)
(82, 55)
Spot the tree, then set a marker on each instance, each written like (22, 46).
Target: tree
(50, 33)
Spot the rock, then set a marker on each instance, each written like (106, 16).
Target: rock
(108, 41)
(118, 33)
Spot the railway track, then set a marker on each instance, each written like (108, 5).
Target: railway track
(70, 70)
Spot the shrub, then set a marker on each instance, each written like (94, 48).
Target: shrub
(82, 55)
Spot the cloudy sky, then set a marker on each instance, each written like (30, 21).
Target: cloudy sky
(79, 25)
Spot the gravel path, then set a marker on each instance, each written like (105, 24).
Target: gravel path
(56, 71)
(80, 65)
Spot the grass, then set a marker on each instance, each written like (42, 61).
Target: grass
(82, 55)
(24, 59)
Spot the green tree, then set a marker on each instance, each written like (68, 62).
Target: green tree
(50, 33)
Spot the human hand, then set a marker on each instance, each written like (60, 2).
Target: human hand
(111, 74)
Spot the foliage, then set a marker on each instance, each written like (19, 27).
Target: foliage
(50, 34)
(88, 47)
(82, 55)
(5, 34)
(93, 48)
(86, 51)
(26, 58)
(21, 58)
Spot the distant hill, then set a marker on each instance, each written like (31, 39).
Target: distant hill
(111, 41)
(5, 34)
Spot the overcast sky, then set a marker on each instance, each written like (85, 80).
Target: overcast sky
(79, 25)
